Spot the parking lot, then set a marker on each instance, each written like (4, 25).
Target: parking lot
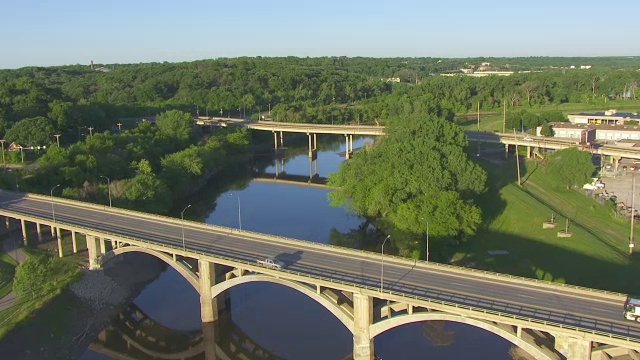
(620, 185)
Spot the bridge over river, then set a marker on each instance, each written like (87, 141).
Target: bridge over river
(368, 293)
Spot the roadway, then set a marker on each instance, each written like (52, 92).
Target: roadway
(424, 281)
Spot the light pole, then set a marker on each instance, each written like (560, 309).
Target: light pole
(53, 211)
(57, 136)
(427, 242)
(382, 263)
(239, 213)
(182, 224)
(108, 187)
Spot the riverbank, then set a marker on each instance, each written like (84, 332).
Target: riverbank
(67, 325)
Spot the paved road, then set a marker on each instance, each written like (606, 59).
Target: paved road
(557, 305)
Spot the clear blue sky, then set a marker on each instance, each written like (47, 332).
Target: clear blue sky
(55, 32)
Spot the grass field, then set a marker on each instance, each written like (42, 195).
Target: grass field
(7, 269)
(494, 122)
(595, 256)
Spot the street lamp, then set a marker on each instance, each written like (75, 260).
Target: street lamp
(53, 211)
(239, 213)
(108, 187)
(382, 263)
(182, 224)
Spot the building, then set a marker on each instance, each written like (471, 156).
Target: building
(602, 131)
(609, 117)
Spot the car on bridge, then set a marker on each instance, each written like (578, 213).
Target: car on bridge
(273, 262)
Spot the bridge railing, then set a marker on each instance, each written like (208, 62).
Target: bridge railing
(334, 248)
(251, 265)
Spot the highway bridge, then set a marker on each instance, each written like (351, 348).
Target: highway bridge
(369, 293)
(508, 139)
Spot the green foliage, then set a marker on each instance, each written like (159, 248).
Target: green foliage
(418, 173)
(547, 130)
(36, 131)
(36, 275)
(176, 124)
(572, 166)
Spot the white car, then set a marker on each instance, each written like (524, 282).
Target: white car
(526, 138)
(273, 262)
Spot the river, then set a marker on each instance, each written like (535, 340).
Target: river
(283, 322)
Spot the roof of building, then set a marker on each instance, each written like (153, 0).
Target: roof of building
(616, 114)
(600, 127)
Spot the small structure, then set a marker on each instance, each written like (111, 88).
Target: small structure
(565, 233)
(609, 117)
(551, 224)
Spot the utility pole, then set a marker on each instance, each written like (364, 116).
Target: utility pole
(57, 139)
(633, 213)
(504, 116)
(517, 160)
(4, 163)
(478, 115)
(119, 127)
(90, 131)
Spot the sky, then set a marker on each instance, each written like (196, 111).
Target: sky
(60, 32)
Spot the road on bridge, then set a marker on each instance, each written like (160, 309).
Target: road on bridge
(558, 305)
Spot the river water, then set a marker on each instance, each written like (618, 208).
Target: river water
(273, 320)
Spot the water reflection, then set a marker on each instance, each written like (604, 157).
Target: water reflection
(134, 335)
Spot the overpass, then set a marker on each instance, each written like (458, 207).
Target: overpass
(368, 293)
(531, 142)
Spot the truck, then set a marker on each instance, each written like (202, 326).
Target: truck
(632, 308)
(272, 262)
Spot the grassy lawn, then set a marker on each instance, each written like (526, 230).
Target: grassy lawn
(26, 307)
(595, 256)
(494, 122)
(7, 269)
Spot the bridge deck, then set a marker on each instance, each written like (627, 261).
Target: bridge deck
(531, 300)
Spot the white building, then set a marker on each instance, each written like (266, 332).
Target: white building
(610, 117)
(603, 131)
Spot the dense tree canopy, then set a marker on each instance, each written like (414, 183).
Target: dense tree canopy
(572, 166)
(418, 173)
(36, 131)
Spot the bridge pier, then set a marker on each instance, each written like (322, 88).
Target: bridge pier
(529, 152)
(573, 348)
(506, 151)
(39, 231)
(73, 242)
(348, 145)
(92, 249)
(362, 320)
(103, 246)
(53, 231)
(59, 239)
(207, 276)
(313, 145)
(24, 232)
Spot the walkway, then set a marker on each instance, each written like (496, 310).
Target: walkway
(10, 246)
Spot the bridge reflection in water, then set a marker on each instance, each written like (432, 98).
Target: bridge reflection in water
(134, 335)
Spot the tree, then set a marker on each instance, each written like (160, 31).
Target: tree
(418, 173)
(547, 130)
(35, 131)
(572, 166)
(32, 276)
(175, 124)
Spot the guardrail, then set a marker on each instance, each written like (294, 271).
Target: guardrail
(256, 268)
(338, 249)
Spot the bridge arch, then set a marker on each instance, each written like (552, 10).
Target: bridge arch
(180, 268)
(343, 316)
(382, 326)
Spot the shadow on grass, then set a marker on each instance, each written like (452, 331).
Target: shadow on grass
(534, 259)
(499, 175)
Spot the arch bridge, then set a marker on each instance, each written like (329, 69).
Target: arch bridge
(368, 293)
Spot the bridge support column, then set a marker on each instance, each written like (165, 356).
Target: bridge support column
(103, 246)
(39, 231)
(347, 153)
(573, 348)
(281, 139)
(208, 310)
(53, 231)
(506, 151)
(74, 242)
(362, 319)
(209, 330)
(24, 232)
(7, 222)
(529, 152)
(59, 239)
(275, 141)
(92, 249)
